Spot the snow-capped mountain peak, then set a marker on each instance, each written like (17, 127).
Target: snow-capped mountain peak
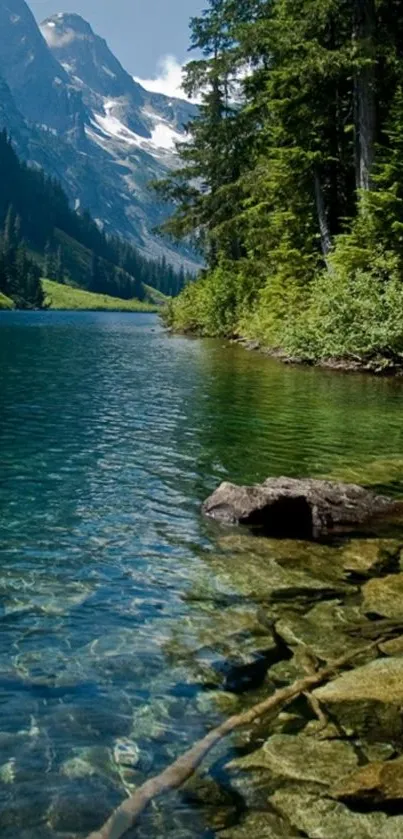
(73, 43)
(107, 88)
(103, 135)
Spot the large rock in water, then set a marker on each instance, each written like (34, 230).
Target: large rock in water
(299, 508)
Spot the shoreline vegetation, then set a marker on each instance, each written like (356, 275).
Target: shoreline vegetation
(377, 365)
(292, 180)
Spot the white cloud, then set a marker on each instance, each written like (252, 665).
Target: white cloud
(168, 78)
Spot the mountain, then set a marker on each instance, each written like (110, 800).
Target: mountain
(40, 234)
(74, 110)
(10, 116)
(95, 72)
(39, 85)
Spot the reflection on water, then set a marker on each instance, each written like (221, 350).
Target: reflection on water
(119, 606)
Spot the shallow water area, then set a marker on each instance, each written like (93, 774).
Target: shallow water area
(120, 607)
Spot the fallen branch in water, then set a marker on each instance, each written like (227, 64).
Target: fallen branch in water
(125, 816)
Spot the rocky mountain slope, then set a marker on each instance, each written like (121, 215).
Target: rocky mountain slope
(73, 109)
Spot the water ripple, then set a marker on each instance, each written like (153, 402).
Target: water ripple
(111, 434)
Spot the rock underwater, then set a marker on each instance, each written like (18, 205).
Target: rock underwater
(299, 508)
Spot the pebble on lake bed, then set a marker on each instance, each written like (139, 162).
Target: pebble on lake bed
(126, 753)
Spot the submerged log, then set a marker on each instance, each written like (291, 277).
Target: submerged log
(297, 508)
(128, 813)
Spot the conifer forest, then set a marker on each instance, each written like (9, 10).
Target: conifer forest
(291, 181)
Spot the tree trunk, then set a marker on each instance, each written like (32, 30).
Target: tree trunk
(365, 98)
(325, 237)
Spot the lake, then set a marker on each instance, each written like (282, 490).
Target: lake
(112, 432)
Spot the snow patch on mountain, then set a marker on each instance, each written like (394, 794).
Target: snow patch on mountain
(113, 127)
(163, 136)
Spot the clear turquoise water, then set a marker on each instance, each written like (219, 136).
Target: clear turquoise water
(111, 434)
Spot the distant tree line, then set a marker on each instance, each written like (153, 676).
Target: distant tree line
(41, 235)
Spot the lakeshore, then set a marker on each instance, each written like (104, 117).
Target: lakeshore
(132, 625)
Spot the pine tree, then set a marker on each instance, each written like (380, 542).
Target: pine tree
(203, 188)
(10, 228)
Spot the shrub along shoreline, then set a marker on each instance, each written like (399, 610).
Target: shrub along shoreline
(377, 365)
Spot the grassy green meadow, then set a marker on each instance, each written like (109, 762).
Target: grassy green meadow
(5, 302)
(58, 296)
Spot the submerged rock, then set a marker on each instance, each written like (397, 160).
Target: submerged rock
(295, 555)
(295, 508)
(220, 701)
(126, 752)
(393, 647)
(82, 805)
(384, 596)
(324, 630)
(322, 818)
(218, 805)
(259, 578)
(89, 761)
(257, 825)
(377, 751)
(288, 671)
(368, 557)
(368, 700)
(230, 648)
(375, 783)
(300, 758)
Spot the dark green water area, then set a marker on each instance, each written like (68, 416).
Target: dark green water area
(124, 616)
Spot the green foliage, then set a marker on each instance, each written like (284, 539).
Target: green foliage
(293, 180)
(351, 312)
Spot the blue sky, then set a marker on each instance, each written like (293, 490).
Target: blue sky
(150, 37)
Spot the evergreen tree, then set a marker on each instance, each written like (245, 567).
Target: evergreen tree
(10, 229)
(291, 180)
(59, 267)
